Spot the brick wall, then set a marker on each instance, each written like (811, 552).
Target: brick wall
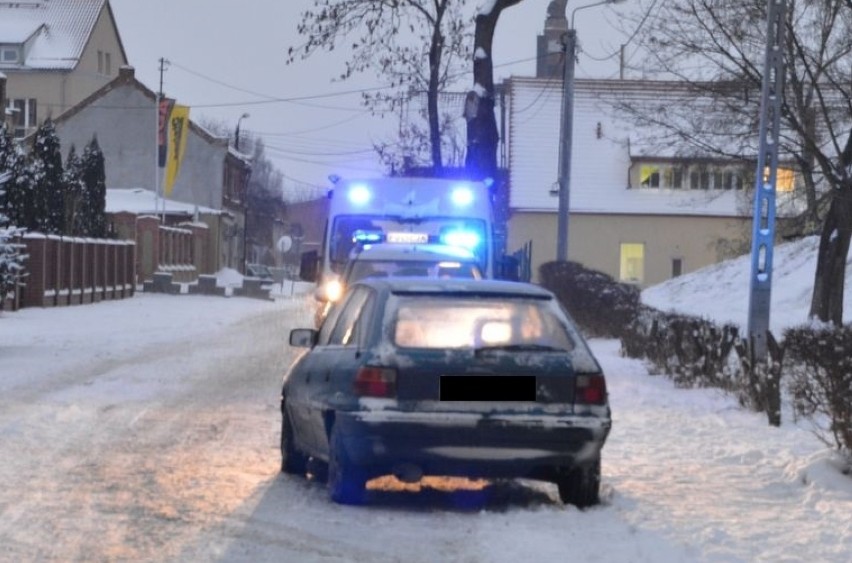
(73, 271)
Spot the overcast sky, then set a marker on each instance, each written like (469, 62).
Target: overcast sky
(230, 58)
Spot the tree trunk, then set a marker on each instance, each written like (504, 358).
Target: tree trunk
(827, 300)
(435, 50)
(482, 135)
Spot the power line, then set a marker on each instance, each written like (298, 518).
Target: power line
(629, 39)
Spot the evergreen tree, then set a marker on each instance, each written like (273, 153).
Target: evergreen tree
(6, 150)
(75, 190)
(49, 193)
(11, 259)
(18, 199)
(94, 194)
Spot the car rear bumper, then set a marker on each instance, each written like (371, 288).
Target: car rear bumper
(470, 444)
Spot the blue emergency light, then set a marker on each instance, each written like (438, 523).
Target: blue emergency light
(462, 239)
(359, 195)
(462, 197)
(365, 237)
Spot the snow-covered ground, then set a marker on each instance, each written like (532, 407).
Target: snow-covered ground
(147, 430)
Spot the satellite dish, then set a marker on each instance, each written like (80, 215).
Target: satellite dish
(284, 244)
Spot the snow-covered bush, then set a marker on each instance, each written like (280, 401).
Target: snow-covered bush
(819, 376)
(11, 258)
(601, 306)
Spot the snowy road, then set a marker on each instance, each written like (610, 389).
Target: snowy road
(147, 430)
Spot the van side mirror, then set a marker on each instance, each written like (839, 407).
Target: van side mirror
(509, 268)
(308, 266)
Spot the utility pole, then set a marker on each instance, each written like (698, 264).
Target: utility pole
(763, 231)
(566, 139)
(567, 131)
(162, 131)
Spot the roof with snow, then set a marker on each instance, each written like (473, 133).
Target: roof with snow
(55, 31)
(144, 202)
(605, 149)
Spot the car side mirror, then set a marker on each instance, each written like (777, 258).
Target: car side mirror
(303, 337)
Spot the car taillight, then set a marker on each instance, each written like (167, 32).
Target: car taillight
(375, 382)
(590, 390)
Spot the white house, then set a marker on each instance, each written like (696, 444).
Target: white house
(54, 53)
(641, 211)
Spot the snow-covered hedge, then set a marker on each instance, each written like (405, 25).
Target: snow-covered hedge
(815, 362)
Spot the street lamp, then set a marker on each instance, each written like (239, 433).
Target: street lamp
(237, 132)
(567, 132)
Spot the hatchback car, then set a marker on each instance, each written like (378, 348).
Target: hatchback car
(395, 260)
(417, 377)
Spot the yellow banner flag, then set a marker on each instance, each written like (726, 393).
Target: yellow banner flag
(178, 132)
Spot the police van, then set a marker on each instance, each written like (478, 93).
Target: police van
(402, 210)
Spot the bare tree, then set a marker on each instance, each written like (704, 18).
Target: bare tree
(413, 44)
(716, 48)
(482, 136)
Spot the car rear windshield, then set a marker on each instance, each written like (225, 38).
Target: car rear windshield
(459, 322)
(454, 322)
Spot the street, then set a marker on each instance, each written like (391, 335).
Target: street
(163, 446)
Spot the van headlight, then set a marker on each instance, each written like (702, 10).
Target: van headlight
(333, 290)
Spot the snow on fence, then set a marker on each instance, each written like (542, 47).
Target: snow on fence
(74, 271)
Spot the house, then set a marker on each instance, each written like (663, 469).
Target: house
(639, 211)
(213, 175)
(54, 53)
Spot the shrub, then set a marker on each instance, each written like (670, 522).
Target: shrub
(602, 306)
(820, 380)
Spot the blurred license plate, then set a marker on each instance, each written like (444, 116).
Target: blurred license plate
(487, 388)
(408, 238)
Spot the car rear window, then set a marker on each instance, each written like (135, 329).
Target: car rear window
(456, 322)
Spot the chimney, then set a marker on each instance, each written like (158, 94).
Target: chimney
(551, 43)
(126, 72)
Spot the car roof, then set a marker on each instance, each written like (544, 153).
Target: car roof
(411, 252)
(456, 286)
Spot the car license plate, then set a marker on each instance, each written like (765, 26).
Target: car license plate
(407, 238)
(487, 388)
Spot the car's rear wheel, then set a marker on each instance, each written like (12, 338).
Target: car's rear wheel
(581, 485)
(347, 483)
(293, 461)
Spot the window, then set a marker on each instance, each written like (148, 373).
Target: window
(107, 64)
(100, 62)
(632, 268)
(732, 181)
(24, 115)
(696, 176)
(350, 324)
(699, 179)
(674, 177)
(9, 55)
(474, 322)
(677, 267)
(649, 176)
(785, 180)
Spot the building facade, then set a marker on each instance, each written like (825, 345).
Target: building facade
(122, 116)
